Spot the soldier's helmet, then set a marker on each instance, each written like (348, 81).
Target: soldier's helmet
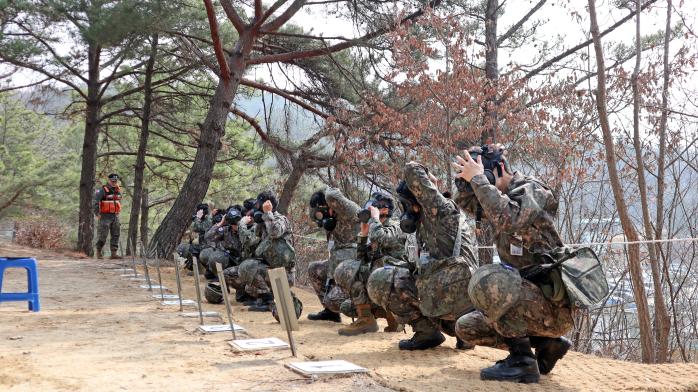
(380, 284)
(213, 293)
(494, 289)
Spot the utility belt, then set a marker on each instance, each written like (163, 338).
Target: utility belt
(109, 207)
(570, 276)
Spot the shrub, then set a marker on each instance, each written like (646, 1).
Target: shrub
(44, 234)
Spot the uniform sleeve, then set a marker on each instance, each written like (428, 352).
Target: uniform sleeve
(510, 213)
(213, 235)
(276, 224)
(362, 250)
(344, 207)
(380, 234)
(99, 194)
(426, 193)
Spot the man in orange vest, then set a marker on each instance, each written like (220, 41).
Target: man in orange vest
(107, 206)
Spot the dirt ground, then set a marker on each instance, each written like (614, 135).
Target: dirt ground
(99, 331)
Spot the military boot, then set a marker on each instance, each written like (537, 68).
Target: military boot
(114, 255)
(99, 253)
(242, 297)
(426, 336)
(365, 323)
(263, 303)
(393, 325)
(549, 351)
(463, 345)
(325, 315)
(519, 366)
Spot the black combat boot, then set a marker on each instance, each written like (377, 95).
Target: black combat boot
(262, 304)
(426, 336)
(325, 315)
(519, 366)
(462, 345)
(242, 297)
(549, 351)
(210, 276)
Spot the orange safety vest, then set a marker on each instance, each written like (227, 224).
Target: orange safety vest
(111, 201)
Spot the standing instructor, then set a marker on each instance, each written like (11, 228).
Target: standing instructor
(107, 206)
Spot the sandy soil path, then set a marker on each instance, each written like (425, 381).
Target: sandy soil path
(99, 331)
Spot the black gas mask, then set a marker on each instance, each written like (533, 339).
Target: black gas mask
(491, 161)
(321, 216)
(378, 200)
(410, 219)
(232, 217)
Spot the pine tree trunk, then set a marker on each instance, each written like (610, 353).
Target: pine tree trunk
(89, 153)
(144, 220)
(142, 148)
(643, 314)
(290, 186)
(213, 128)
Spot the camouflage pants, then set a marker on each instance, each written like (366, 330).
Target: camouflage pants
(532, 315)
(217, 256)
(253, 274)
(352, 277)
(108, 223)
(332, 299)
(188, 251)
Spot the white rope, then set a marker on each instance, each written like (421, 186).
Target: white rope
(692, 239)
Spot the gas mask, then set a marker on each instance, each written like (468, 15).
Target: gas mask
(378, 200)
(491, 160)
(410, 219)
(321, 216)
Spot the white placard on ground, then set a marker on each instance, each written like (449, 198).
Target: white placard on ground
(128, 276)
(325, 368)
(167, 296)
(219, 328)
(185, 302)
(196, 314)
(138, 279)
(124, 270)
(258, 344)
(145, 286)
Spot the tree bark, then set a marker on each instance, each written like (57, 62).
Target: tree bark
(142, 148)
(290, 186)
(661, 324)
(213, 128)
(646, 341)
(89, 153)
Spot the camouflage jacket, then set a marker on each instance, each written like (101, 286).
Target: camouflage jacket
(344, 234)
(440, 218)
(275, 244)
(198, 229)
(523, 218)
(248, 239)
(225, 238)
(386, 239)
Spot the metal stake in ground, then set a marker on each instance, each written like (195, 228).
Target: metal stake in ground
(157, 266)
(144, 254)
(198, 290)
(179, 283)
(224, 292)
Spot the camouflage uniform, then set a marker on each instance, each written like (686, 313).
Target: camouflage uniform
(523, 221)
(387, 247)
(395, 288)
(195, 239)
(227, 248)
(107, 222)
(274, 250)
(343, 248)
(248, 243)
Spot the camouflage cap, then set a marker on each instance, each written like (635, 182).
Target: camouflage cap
(494, 289)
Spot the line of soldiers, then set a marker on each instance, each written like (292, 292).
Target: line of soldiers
(443, 291)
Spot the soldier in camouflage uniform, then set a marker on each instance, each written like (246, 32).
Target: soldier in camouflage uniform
(248, 243)
(194, 238)
(107, 206)
(227, 247)
(337, 214)
(381, 242)
(446, 238)
(513, 312)
(274, 250)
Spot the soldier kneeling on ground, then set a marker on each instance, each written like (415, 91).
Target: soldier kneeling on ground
(522, 303)
(194, 238)
(227, 250)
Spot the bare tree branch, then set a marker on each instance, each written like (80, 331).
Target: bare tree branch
(230, 12)
(217, 46)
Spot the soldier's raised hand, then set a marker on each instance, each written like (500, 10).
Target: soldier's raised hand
(467, 168)
(267, 206)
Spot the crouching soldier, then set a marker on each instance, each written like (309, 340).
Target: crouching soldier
(335, 213)
(381, 242)
(274, 250)
(514, 313)
(195, 240)
(433, 295)
(227, 249)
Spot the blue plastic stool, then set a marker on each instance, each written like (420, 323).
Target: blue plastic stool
(32, 294)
